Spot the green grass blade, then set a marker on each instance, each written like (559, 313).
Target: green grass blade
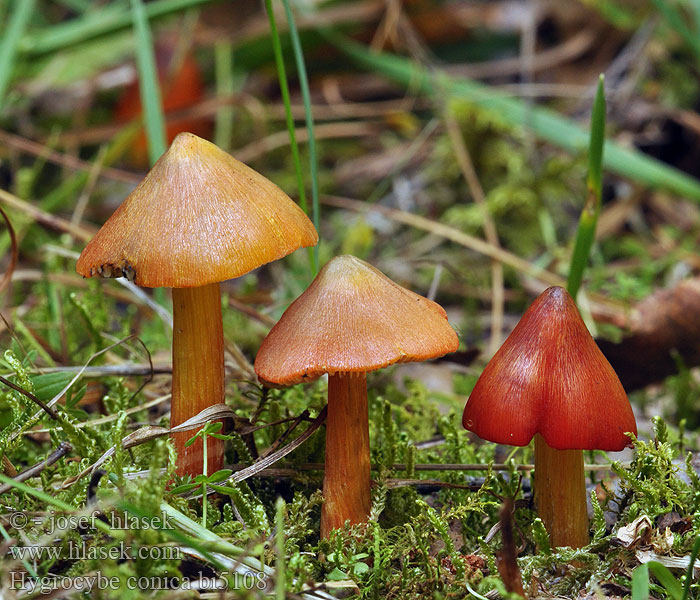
(284, 90)
(596, 145)
(19, 19)
(107, 19)
(24, 561)
(640, 583)
(677, 22)
(689, 574)
(197, 533)
(174, 534)
(666, 578)
(280, 583)
(695, 7)
(585, 232)
(306, 95)
(545, 123)
(148, 83)
(56, 503)
(474, 593)
(77, 5)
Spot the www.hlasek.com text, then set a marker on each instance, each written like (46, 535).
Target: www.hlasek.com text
(120, 551)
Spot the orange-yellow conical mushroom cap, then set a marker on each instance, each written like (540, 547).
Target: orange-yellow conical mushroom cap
(352, 319)
(198, 217)
(549, 377)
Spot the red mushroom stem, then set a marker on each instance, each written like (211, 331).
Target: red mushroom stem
(560, 494)
(198, 371)
(347, 478)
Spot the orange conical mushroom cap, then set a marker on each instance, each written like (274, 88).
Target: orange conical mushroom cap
(198, 217)
(352, 318)
(549, 377)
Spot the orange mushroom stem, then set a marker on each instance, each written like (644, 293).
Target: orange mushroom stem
(550, 380)
(346, 482)
(198, 370)
(560, 494)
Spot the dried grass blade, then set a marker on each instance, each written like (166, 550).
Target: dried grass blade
(281, 453)
(452, 234)
(14, 253)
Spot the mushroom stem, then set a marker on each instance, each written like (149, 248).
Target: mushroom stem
(346, 481)
(560, 494)
(198, 371)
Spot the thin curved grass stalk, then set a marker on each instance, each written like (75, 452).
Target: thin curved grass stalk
(306, 96)
(545, 123)
(284, 90)
(585, 233)
(151, 100)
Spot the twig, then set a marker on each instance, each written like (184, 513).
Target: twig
(14, 252)
(280, 139)
(281, 453)
(572, 48)
(435, 467)
(84, 197)
(278, 442)
(246, 372)
(248, 429)
(77, 376)
(149, 375)
(295, 471)
(66, 160)
(43, 217)
(152, 432)
(138, 292)
(506, 558)
(387, 31)
(69, 279)
(209, 107)
(45, 407)
(251, 312)
(398, 483)
(63, 449)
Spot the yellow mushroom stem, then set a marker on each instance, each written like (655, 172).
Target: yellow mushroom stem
(198, 371)
(346, 480)
(560, 494)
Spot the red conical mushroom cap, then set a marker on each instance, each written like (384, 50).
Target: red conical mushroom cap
(549, 377)
(352, 319)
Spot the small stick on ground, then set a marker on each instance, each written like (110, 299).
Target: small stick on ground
(63, 449)
(506, 558)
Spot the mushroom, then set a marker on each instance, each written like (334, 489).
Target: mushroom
(550, 380)
(351, 319)
(199, 217)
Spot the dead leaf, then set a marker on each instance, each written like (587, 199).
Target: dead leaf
(672, 562)
(152, 432)
(636, 533)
